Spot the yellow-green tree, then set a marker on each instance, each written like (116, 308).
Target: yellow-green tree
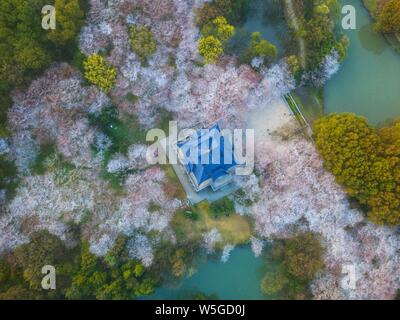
(219, 28)
(215, 34)
(99, 73)
(294, 64)
(143, 42)
(365, 162)
(349, 146)
(389, 17)
(385, 205)
(210, 48)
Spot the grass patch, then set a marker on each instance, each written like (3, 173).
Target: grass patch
(173, 187)
(171, 61)
(46, 151)
(154, 207)
(190, 224)
(123, 133)
(8, 177)
(132, 97)
(116, 180)
(221, 208)
(295, 111)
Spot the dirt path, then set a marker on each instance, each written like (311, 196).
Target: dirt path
(269, 118)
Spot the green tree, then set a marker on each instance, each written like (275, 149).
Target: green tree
(32, 50)
(98, 72)
(8, 176)
(389, 17)
(138, 270)
(319, 33)
(273, 283)
(298, 258)
(302, 256)
(143, 42)
(259, 47)
(89, 278)
(4, 273)
(44, 249)
(70, 19)
(294, 64)
(385, 205)
(235, 11)
(19, 293)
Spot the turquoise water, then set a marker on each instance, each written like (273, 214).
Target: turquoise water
(266, 17)
(368, 82)
(238, 278)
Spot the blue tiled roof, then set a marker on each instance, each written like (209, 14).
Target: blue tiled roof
(207, 142)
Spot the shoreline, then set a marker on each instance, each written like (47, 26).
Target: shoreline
(392, 39)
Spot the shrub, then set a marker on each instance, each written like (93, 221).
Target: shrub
(221, 208)
(210, 48)
(273, 282)
(8, 176)
(132, 97)
(299, 259)
(191, 214)
(99, 73)
(143, 43)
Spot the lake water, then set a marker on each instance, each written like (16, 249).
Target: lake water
(238, 278)
(266, 17)
(368, 82)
